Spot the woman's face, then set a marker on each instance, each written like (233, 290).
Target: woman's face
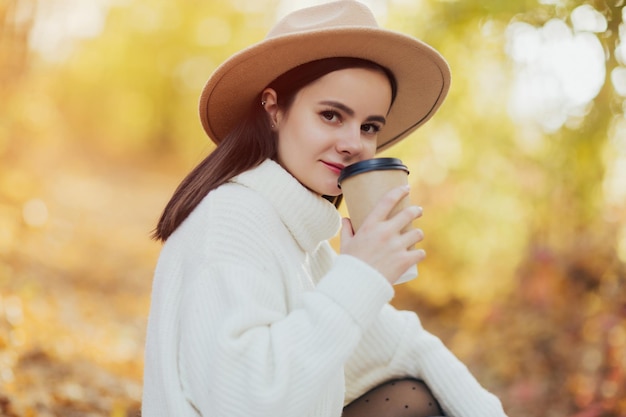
(332, 122)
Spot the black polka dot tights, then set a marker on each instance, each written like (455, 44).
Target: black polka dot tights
(398, 398)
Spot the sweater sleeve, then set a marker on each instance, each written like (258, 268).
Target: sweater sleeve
(396, 345)
(241, 353)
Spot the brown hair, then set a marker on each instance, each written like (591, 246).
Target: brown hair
(251, 142)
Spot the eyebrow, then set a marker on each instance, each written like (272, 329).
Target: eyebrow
(350, 112)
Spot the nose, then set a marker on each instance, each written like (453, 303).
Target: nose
(349, 142)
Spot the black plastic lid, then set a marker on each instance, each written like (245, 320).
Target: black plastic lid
(376, 164)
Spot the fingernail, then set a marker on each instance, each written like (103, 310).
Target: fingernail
(417, 210)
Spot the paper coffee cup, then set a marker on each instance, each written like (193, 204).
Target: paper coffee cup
(365, 183)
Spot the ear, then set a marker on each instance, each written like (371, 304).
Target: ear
(269, 102)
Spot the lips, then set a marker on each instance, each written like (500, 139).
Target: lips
(336, 168)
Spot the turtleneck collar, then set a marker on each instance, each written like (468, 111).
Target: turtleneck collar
(310, 218)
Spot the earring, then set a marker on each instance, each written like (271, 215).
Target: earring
(263, 103)
(273, 126)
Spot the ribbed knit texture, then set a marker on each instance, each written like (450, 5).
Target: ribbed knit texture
(253, 314)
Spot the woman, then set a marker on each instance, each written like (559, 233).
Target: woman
(253, 314)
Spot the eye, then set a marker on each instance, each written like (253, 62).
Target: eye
(370, 128)
(330, 115)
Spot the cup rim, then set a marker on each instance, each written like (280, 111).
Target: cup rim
(367, 165)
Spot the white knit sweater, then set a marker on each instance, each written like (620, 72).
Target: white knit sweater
(253, 314)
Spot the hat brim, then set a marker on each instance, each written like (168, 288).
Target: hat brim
(422, 76)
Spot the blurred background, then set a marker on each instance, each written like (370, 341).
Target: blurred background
(522, 176)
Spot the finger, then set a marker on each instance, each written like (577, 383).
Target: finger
(346, 229)
(417, 255)
(420, 213)
(412, 237)
(405, 217)
(384, 207)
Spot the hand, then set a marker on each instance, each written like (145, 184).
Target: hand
(381, 242)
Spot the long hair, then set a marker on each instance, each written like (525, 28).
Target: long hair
(251, 142)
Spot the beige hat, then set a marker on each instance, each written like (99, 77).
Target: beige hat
(344, 28)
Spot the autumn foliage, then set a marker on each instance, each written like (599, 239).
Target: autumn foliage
(525, 222)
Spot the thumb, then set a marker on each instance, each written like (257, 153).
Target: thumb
(346, 229)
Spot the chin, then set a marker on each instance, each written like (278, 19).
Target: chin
(332, 192)
(328, 188)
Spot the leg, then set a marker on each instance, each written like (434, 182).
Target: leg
(397, 398)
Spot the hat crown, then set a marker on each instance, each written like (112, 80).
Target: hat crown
(334, 15)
